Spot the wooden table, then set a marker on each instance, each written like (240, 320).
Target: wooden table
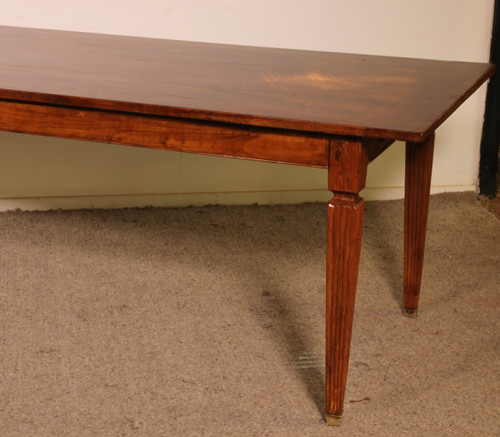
(328, 110)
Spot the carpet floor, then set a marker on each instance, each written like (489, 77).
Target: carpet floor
(210, 322)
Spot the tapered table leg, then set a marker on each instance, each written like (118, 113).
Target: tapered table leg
(417, 192)
(345, 223)
(346, 178)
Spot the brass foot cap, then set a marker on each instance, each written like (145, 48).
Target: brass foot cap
(410, 312)
(333, 419)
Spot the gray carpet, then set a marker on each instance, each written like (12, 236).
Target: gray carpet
(210, 322)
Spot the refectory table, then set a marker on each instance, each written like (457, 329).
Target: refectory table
(328, 110)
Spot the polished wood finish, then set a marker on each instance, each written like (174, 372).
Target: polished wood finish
(344, 229)
(348, 165)
(327, 110)
(417, 192)
(165, 133)
(346, 178)
(335, 93)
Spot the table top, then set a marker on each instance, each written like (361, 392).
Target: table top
(332, 93)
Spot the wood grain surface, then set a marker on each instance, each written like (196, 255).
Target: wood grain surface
(344, 229)
(163, 133)
(418, 174)
(335, 93)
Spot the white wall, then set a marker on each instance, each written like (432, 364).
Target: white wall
(43, 173)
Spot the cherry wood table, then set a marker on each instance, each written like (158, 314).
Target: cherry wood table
(329, 110)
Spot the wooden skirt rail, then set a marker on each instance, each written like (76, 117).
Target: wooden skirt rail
(165, 133)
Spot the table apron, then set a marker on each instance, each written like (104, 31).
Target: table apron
(165, 133)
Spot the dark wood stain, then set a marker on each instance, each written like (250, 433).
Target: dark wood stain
(334, 93)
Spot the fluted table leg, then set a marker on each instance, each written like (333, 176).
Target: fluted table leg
(417, 192)
(347, 175)
(345, 224)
